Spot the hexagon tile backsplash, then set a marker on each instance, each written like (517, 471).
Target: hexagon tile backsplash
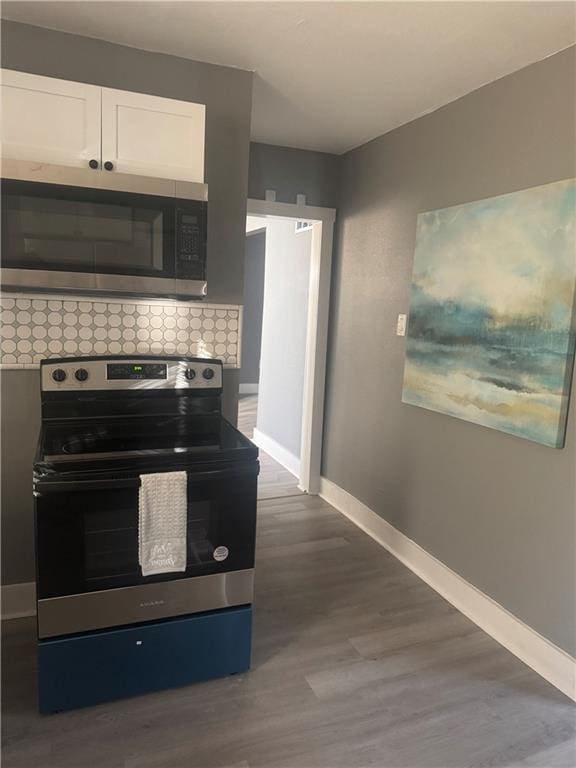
(35, 326)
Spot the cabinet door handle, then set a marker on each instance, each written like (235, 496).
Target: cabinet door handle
(93, 163)
(108, 165)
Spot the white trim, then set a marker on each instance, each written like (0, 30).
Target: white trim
(273, 210)
(316, 328)
(545, 658)
(239, 332)
(18, 600)
(315, 356)
(248, 389)
(277, 452)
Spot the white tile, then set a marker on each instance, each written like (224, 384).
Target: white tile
(54, 318)
(8, 317)
(55, 325)
(23, 317)
(8, 346)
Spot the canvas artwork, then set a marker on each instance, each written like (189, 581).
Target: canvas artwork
(492, 315)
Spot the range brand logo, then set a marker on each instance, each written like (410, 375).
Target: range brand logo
(151, 603)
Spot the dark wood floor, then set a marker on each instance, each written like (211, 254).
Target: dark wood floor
(356, 663)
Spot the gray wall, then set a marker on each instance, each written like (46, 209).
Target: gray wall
(284, 324)
(20, 406)
(294, 171)
(227, 94)
(253, 306)
(498, 510)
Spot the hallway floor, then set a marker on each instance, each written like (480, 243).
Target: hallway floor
(274, 480)
(356, 663)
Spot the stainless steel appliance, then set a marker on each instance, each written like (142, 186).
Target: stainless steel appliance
(77, 229)
(105, 422)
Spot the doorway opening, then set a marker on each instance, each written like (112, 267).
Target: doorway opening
(284, 336)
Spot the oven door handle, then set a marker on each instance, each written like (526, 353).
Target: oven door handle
(44, 488)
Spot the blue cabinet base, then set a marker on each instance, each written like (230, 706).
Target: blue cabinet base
(91, 668)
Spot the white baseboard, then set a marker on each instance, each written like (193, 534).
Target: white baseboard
(545, 658)
(18, 600)
(248, 389)
(277, 452)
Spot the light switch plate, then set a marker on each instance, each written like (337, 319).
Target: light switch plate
(401, 325)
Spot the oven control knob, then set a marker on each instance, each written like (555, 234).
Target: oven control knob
(59, 375)
(81, 374)
(190, 374)
(208, 373)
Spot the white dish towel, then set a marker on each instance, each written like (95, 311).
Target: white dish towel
(162, 518)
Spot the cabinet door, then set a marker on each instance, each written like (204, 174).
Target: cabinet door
(153, 136)
(49, 120)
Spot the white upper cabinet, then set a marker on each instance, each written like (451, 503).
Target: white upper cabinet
(66, 123)
(153, 136)
(49, 120)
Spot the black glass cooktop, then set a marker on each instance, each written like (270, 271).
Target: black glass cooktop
(142, 437)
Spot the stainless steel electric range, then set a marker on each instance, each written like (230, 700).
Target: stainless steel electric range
(104, 629)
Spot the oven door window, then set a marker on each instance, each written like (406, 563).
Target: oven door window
(88, 540)
(70, 229)
(110, 541)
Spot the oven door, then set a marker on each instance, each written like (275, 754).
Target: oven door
(88, 573)
(58, 237)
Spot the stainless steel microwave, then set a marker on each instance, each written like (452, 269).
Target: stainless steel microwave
(76, 229)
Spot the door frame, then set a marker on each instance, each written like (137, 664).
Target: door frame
(316, 328)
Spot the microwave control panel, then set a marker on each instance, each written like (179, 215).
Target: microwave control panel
(191, 243)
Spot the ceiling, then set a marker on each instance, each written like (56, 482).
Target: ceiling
(331, 75)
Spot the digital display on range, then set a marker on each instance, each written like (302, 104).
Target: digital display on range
(136, 371)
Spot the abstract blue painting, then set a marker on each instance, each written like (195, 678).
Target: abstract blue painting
(492, 316)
